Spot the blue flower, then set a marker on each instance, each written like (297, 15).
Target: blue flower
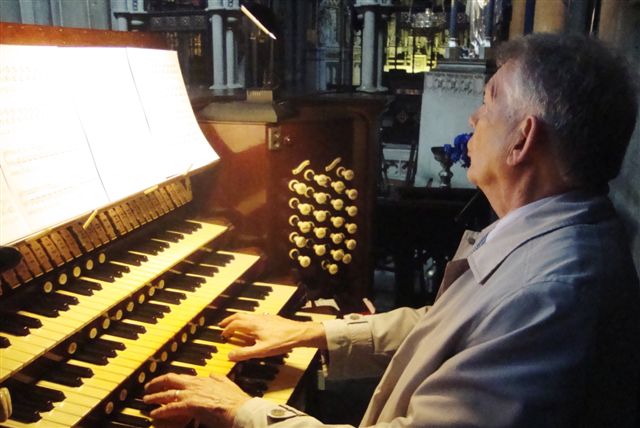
(458, 152)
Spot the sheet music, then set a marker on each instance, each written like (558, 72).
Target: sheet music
(44, 154)
(164, 97)
(113, 119)
(13, 225)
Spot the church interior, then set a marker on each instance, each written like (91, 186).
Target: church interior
(305, 169)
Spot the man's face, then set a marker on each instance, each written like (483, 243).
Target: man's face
(495, 123)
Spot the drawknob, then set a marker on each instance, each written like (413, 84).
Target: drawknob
(338, 186)
(303, 261)
(337, 222)
(347, 174)
(305, 209)
(5, 404)
(320, 249)
(337, 204)
(337, 255)
(350, 244)
(320, 232)
(300, 241)
(332, 268)
(336, 238)
(352, 194)
(346, 259)
(321, 198)
(305, 226)
(320, 215)
(352, 228)
(352, 210)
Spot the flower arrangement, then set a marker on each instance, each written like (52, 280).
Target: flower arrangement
(458, 152)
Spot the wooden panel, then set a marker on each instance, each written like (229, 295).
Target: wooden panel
(250, 186)
(20, 34)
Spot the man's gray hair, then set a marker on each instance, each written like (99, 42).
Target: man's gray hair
(587, 96)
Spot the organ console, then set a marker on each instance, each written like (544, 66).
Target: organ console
(98, 305)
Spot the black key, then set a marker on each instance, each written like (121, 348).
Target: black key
(112, 344)
(156, 306)
(129, 258)
(169, 236)
(202, 270)
(64, 299)
(179, 285)
(215, 315)
(78, 370)
(201, 347)
(79, 289)
(114, 270)
(23, 413)
(300, 318)
(40, 309)
(141, 317)
(185, 227)
(217, 259)
(59, 376)
(91, 357)
(104, 349)
(4, 342)
(168, 296)
(102, 276)
(150, 312)
(211, 335)
(11, 327)
(180, 370)
(138, 404)
(190, 359)
(257, 372)
(25, 320)
(88, 284)
(130, 420)
(128, 331)
(245, 305)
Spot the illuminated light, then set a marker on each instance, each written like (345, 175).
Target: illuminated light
(257, 22)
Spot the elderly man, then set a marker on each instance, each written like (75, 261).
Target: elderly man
(536, 323)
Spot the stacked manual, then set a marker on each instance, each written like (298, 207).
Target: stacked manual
(83, 127)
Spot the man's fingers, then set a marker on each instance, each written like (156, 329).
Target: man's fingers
(230, 318)
(164, 382)
(171, 410)
(239, 326)
(246, 353)
(162, 397)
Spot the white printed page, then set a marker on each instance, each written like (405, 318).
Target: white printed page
(44, 155)
(166, 104)
(105, 95)
(12, 222)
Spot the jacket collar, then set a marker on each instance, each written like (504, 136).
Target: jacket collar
(560, 211)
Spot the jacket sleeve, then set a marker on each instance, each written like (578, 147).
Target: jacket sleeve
(362, 346)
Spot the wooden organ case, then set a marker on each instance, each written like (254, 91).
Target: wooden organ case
(97, 306)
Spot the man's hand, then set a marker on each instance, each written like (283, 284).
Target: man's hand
(272, 335)
(213, 401)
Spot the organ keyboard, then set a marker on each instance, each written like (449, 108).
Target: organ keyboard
(99, 304)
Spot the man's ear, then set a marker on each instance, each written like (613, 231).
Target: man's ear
(526, 137)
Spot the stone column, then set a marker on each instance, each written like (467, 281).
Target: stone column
(373, 42)
(231, 50)
(368, 52)
(223, 45)
(380, 45)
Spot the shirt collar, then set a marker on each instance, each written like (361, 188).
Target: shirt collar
(531, 221)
